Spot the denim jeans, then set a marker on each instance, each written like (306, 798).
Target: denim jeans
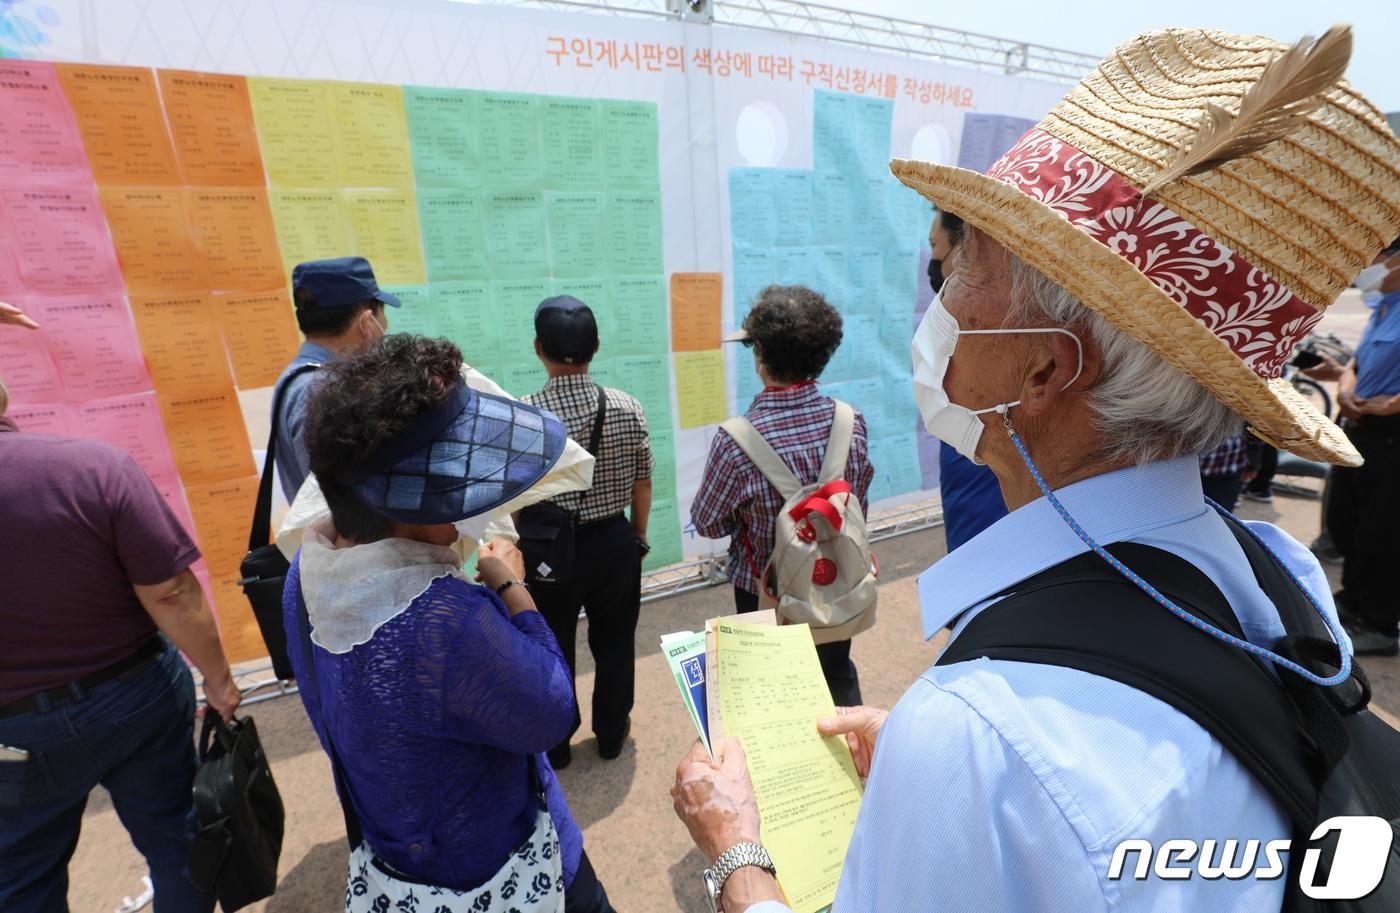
(136, 738)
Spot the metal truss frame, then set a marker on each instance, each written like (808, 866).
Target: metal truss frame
(866, 30)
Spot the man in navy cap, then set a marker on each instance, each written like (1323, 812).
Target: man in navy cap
(340, 310)
(605, 574)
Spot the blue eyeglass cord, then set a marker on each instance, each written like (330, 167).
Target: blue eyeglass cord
(1341, 676)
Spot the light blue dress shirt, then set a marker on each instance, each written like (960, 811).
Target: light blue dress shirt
(292, 463)
(1003, 786)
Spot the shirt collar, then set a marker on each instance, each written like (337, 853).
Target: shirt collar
(784, 397)
(7, 424)
(570, 382)
(1112, 507)
(313, 353)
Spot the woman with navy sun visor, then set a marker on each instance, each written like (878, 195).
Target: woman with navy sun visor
(435, 697)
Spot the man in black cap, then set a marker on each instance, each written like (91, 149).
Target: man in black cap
(604, 576)
(340, 309)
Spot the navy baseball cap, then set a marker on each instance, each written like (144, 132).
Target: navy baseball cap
(566, 329)
(339, 282)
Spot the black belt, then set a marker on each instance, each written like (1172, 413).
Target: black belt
(126, 668)
(592, 525)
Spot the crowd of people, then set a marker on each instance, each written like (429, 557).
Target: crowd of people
(1082, 395)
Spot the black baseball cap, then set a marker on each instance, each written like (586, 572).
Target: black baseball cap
(339, 282)
(566, 330)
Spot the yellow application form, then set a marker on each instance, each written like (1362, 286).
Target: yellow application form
(771, 694)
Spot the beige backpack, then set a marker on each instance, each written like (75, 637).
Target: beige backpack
(822, 572)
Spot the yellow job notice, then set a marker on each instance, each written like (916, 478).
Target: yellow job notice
(771, 695)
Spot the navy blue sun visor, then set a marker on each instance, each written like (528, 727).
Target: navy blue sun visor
(466, 456)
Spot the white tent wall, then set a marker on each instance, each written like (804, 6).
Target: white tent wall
(521, 49)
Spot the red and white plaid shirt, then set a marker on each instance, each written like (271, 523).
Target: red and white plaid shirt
(735, 499)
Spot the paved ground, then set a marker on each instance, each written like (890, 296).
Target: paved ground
(638, 847)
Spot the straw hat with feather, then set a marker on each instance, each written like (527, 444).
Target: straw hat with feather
(1209, 194)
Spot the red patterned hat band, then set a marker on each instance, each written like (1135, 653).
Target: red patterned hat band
(1253, 313)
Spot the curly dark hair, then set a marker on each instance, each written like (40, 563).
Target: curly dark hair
(358, 403)
(795, 331)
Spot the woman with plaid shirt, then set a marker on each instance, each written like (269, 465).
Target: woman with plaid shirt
(793, 332)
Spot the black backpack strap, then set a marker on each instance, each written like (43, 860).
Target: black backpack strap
(596, 437)
(261, 533)
(1309, 644)
(1084, 615)
(353, 833)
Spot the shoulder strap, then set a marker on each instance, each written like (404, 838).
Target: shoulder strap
(763, 455)
(352, 822)
(596, 437)
(261, 532)
(838, 445)
(1084, 615)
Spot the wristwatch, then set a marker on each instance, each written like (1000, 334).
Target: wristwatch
(731, 861)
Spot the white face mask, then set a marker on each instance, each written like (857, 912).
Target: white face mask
(933, 346)
(1371, 278)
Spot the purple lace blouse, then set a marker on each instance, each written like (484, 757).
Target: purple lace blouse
(434, 720)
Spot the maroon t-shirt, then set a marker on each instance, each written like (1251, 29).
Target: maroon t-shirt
(81, 523)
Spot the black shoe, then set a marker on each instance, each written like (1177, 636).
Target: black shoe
(611, 751)
(560, 756)
(1370, 642)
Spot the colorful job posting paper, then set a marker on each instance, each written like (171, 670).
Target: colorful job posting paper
(573, 155)
(211, 121)
(123, 127)
(771, 694)
(630, 137)
(311, 224)
(384, 224)
(39, 144)
(131, 423)
(94, 344)
(233, 227)
(373, 134)
(695, 306)
(294, 125)
(442, 129)
(152, 234)
(28, 369)
(207, 436)
(261, 334)
(700, 388)
(220, 511)
(59, 240)
(182, 343)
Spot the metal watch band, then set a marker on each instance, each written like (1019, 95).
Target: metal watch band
(735, 858)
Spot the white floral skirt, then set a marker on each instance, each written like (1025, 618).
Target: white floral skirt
(531, 881)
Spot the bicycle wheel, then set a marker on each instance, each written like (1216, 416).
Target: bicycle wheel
(1315, 393)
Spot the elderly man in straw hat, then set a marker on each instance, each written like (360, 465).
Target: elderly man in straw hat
(1135, 273)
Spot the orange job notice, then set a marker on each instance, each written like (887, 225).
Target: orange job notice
(212, 123)
(238, 628)
(695, 307)
(220, 512)
(152, 237)
(120, 118)
(261, 333)
(181, 341)
(233, 227)
(207, 436)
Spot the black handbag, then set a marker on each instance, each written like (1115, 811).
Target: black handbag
(264, 568)
(241, 819)
(546, 530)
